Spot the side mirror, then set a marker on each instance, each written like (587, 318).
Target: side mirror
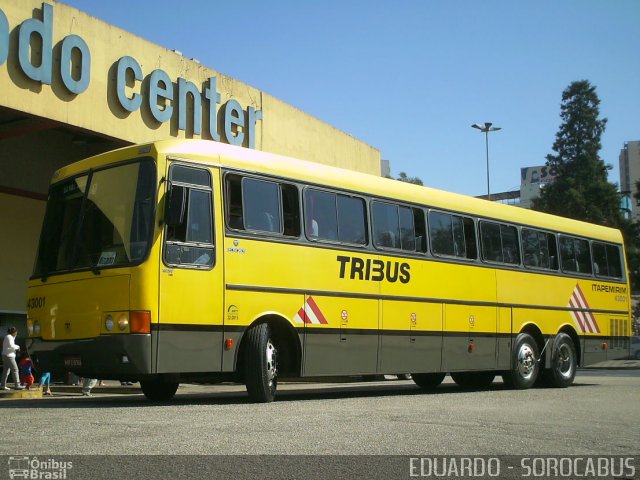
(175, 205)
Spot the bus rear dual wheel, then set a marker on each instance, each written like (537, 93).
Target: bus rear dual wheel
(564, 362)
(525, 364)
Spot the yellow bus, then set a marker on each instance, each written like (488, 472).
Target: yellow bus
(196, 261)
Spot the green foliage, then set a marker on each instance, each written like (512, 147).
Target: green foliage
(404, 178)
(581, 189)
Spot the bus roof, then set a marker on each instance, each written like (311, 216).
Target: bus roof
(216, 153)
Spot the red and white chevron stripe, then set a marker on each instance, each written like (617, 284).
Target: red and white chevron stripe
(582, 317)
(310, 313)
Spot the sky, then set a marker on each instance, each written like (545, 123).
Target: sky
(410, 77)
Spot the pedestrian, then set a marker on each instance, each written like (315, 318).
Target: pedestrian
(46, 380)
(87, 385)
(9, 349)
(26, 371)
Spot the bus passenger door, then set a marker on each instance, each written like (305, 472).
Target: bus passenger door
(190, 328)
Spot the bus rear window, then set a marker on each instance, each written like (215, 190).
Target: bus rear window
(606, 260)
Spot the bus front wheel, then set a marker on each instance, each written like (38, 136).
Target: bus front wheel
(261, 364)
(524, 363)
(158, 390)
(428, 381)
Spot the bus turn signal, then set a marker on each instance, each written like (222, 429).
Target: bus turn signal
(140, 321)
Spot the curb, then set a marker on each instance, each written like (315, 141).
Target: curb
(20, 394)
(96, 390)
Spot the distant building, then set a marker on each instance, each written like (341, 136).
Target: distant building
(629, 176)
(385, 168)
(532, 180)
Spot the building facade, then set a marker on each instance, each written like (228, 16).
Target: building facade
(629, 176)
(72, 86)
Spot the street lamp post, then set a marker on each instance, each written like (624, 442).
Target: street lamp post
(488, 127)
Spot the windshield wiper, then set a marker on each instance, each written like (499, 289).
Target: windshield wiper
(94, 269)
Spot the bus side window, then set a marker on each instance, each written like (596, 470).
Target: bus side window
(491, 242)
(575, 256)
(533, 249)
(262, 205)
(606, 260)
(191, 242)
(321, 215)
(452, 235)
(335, 217)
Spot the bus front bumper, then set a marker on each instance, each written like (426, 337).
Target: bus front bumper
(108, 357)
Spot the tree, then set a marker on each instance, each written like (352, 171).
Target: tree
(404, 178)
(581, 189)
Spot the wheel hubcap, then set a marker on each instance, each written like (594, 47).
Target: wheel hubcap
(272, 367)
(526, 361)
(565, 361)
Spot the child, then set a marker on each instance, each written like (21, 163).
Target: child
(46, 381)
(26, 375)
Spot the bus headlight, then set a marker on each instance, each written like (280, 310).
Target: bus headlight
(123, 322)
(30, 326)
(36, 327)
(109, 323)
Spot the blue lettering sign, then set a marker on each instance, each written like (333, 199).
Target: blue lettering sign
(4, 37)
(233, 122)
(80, 84)
(125, 66)
(44, 29)
(254, 115)
(211, 93)
(160, 90)
(35, 59)
(185, 87)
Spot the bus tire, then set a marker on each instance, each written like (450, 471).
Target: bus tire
(158, 390)
(524, 363)
(473, 379)
(428, 381)
(260, 364)
(564, 362)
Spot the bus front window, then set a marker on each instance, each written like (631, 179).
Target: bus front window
(100, 219)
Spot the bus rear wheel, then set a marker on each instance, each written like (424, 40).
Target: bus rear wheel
(564, 362)
(473, 379)
(261, 364)
(158, 390)
(428, 381)
(524, 363)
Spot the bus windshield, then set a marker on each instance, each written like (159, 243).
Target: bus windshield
(101, 218)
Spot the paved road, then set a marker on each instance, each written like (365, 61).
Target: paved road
(598, 415)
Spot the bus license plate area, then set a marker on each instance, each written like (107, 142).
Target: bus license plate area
(72, 361)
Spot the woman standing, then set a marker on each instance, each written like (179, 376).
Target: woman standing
(9, 349)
